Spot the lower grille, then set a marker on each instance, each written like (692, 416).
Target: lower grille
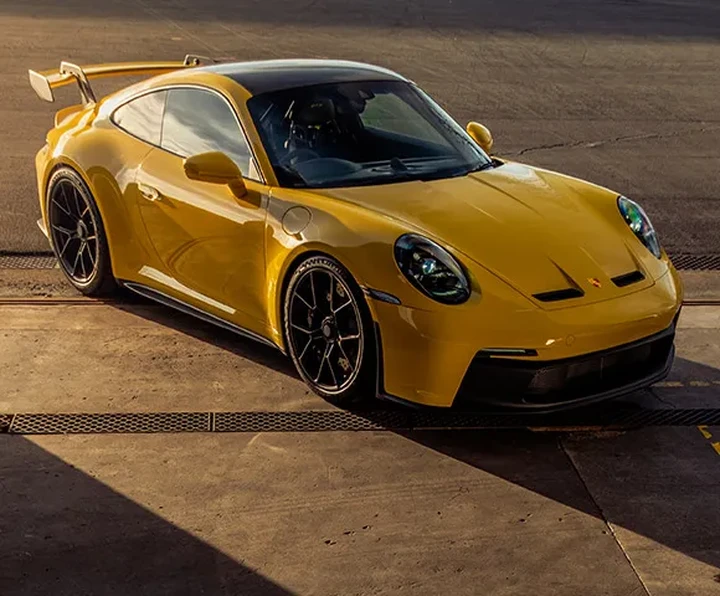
(527, 383)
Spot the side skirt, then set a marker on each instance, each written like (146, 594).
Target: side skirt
(188, 309)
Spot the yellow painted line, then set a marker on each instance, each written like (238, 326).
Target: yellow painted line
(705, 432)
(716, 446)
(688, 384)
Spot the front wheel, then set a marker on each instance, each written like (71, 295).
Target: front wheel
(329, 332)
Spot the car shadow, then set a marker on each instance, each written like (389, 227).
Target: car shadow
(227, 340)
(642, 480)
(64, 533)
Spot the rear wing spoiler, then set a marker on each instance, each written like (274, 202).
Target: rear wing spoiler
(44, 82)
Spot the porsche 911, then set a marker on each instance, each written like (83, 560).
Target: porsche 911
(335, 211)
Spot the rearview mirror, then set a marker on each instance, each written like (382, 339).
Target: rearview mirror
(481, 135)
(216, 168)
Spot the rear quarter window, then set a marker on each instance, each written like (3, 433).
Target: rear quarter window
(142, 117)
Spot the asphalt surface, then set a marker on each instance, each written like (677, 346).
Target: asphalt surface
(621, 93)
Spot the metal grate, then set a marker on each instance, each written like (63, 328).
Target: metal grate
(696, 262)
(309, 421)
(155, 422)
(27, 261)
(340, 420)
(8, 260)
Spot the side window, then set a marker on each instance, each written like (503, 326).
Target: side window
(198, 121)
(142, 117)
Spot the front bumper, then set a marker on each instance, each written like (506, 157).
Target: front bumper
(427, 354)
(551, 385)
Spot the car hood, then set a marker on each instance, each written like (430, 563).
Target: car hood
(537, 230)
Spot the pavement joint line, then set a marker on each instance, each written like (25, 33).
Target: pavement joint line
(604, 518)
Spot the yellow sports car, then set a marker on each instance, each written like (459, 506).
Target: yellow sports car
(334, 210)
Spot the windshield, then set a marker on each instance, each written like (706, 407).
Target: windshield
(361, 133)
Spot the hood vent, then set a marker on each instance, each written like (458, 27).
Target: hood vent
(556, 295)
(628, 279)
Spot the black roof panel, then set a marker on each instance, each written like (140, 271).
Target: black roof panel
(273, 75)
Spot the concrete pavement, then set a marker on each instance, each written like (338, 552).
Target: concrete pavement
(330, 512)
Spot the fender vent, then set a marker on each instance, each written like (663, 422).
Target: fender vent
(628, 279)
(556, 295)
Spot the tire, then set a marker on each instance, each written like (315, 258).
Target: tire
(77, 234)
(329, 332)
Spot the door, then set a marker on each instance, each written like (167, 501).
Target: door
(210, 242)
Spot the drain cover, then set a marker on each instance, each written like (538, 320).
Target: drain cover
(25, 261)
(696, 262)
(58, 424)
(341, 420)
(309, 421)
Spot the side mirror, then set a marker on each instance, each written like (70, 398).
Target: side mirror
(216, 168)
(481, 135)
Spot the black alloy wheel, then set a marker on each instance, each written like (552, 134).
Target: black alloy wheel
(328, 331)
(77, 234)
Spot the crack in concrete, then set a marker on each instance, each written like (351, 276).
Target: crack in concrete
(620, 139)
(603, 517)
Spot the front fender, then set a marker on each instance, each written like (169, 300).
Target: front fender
(354, 238)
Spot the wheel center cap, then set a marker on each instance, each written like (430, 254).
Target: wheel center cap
(82, 231)
(328, 329)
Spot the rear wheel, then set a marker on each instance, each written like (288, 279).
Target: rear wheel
(77, 234)
(328, 331)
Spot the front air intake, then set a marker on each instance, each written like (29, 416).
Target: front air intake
(556, 295)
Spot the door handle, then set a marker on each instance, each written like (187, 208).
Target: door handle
(148, 192)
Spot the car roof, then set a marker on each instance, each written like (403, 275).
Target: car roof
(263, 76)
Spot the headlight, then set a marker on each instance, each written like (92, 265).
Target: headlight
(639, 223)
(431, 269)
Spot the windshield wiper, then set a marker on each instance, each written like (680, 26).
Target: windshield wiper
(483, 166)
(398, 165)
